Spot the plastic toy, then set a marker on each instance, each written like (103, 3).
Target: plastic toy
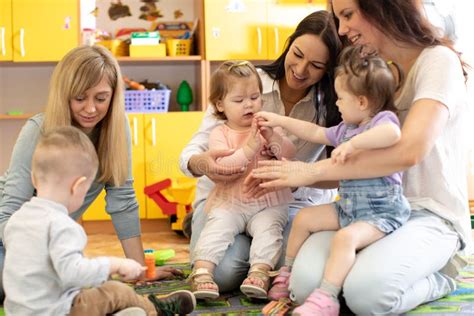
(150, 263)
(15, 113)
(184, 96)
(161, 256)
(278, 308)
(174, 199)
(133, 84)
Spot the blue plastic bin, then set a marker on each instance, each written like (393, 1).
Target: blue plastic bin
(147, 101)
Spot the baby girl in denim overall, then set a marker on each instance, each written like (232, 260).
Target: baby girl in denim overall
(368, 209)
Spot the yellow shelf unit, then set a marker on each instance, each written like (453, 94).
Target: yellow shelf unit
(157, 141)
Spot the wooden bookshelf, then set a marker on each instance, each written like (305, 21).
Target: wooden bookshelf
(24, 116)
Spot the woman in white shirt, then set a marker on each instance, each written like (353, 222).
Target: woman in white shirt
(416, 263)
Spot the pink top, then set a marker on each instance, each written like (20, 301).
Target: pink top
(226, 194)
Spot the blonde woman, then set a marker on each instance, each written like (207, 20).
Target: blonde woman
(86, 91)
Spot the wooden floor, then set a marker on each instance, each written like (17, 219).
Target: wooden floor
(102, 241)
(156, 235)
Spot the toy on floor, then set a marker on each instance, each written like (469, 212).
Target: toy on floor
(277, 308)
(174, 198)
(156, 258)
(161, 256)
(150, 263)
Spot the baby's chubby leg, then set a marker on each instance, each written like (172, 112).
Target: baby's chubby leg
(310, 220)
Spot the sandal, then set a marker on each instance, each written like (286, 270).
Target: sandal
(256, 291)
(199, 277)
(280, 285)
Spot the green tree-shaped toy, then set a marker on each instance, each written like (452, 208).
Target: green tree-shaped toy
(184, 97)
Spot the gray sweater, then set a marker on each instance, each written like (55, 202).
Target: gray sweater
(44, 266)
(16, 187)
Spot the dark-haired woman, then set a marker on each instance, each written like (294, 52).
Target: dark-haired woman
(298, 84)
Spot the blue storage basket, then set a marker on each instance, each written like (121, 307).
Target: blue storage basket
(147, 101)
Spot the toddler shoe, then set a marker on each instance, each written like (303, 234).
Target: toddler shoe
(203, 285)
(318, 303)
(178, 302)
(280, 285)
(256, 284)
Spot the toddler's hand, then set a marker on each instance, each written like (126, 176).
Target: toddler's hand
(127, 269)
(342, 152)
(254, 141)
(267, 119)
(267, 132)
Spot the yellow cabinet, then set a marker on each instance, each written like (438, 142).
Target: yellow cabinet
(322, 2)
(166, 135)
(251, 29)
(235, 29)
(33, 30)
(157, 142)
(138, 160)
(6, 30)
(282, 22)
(96, 210)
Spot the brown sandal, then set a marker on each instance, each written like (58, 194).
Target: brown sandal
(199, 277)
(255, 291)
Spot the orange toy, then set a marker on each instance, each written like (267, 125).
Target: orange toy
(133, 84)
(150, 264)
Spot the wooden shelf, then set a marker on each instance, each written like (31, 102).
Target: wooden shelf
(120, 59)
(16, 117)
(160, 59)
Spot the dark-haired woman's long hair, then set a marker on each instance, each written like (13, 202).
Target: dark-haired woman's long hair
(320, 24)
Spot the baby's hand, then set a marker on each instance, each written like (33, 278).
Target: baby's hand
(127, 269)
(254, 141)
(342, 152)
(267, 119)
(267, 132)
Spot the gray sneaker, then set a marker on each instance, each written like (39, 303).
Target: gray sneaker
(441, 285)
(178, 302)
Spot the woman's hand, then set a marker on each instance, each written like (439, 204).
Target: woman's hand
(277, 174)
(161, 273)
(252, 189)
(167, 273)
(205, 164)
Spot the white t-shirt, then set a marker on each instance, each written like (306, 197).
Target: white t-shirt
(439, 182)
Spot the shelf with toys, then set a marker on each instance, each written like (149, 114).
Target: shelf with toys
(128, 59)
